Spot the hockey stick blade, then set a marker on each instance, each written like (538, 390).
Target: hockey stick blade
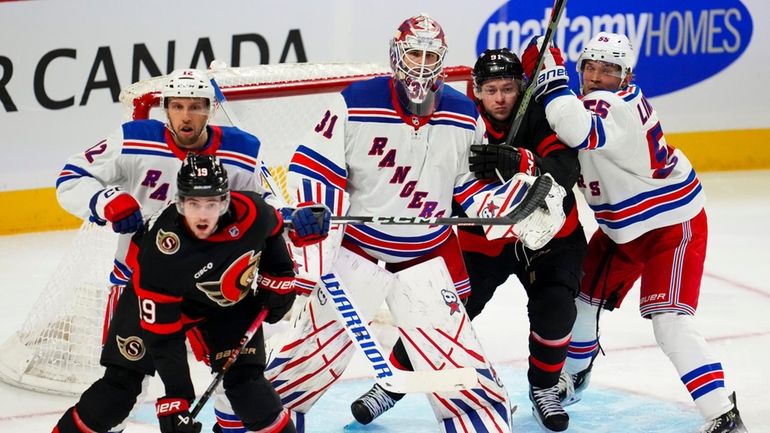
(389, 377)
(534, 198)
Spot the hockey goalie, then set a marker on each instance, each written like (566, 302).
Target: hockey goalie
(398, 146)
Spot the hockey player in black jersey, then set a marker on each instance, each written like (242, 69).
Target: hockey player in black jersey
(551, 274)
(210, 262)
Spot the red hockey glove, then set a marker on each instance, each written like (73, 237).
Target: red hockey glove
(174, 416)
(118, 207)
(552, 77)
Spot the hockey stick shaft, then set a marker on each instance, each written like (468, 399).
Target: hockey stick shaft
(253, 328)
(523, 102)
(389, 377)
(404, 220)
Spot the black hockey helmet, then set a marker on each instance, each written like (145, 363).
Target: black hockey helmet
(201, 176)
(499, 63)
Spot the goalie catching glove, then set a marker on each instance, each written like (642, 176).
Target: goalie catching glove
(533, 205)
(309, 223)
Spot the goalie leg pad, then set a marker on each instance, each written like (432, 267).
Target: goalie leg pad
(317, 350)
(437, 334)
(698, 369)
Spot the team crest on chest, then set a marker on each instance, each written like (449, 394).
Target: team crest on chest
(167, 242)
(132, 348)
(236, 281)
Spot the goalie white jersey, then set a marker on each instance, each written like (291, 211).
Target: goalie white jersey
(631, 178)
(391, 163)
(142, 158)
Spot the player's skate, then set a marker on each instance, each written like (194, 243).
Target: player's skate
(571, 386)
(547, 408)
(373, 403)
(728, 422)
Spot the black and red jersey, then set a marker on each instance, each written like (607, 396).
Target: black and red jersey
(180, 279)
(551, 156)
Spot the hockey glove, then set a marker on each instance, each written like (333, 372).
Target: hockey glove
(309, 223)
(276, 294)
(552, 77)
(118, 207)
(487, 160)
(174, 416)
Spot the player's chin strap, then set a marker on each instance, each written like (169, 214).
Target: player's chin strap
(388, 376)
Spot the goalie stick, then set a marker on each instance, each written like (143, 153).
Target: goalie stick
(400, 381)
(534, 197)
(523, 102)
(255, 325)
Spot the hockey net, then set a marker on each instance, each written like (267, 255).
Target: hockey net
(57, 348)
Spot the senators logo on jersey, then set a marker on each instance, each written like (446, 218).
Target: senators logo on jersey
(236, 281)
(132, 348)
(167, 242)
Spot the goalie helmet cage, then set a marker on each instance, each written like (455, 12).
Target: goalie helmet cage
(57, 348)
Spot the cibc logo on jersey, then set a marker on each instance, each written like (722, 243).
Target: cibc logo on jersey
(687, 42)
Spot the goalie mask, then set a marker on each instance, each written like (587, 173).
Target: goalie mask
(189, 83)
(416, 58)
(202, 176)
(610, 48)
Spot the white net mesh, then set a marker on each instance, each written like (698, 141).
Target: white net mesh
(57, 349)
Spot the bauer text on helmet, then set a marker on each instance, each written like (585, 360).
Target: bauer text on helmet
(416, 57)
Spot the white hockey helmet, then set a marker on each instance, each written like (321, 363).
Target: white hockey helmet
(188, 83)
(612, 48)
(418, 84)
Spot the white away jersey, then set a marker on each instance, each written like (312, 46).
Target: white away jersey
(631, 178)
(142, 158)
(391, 163)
